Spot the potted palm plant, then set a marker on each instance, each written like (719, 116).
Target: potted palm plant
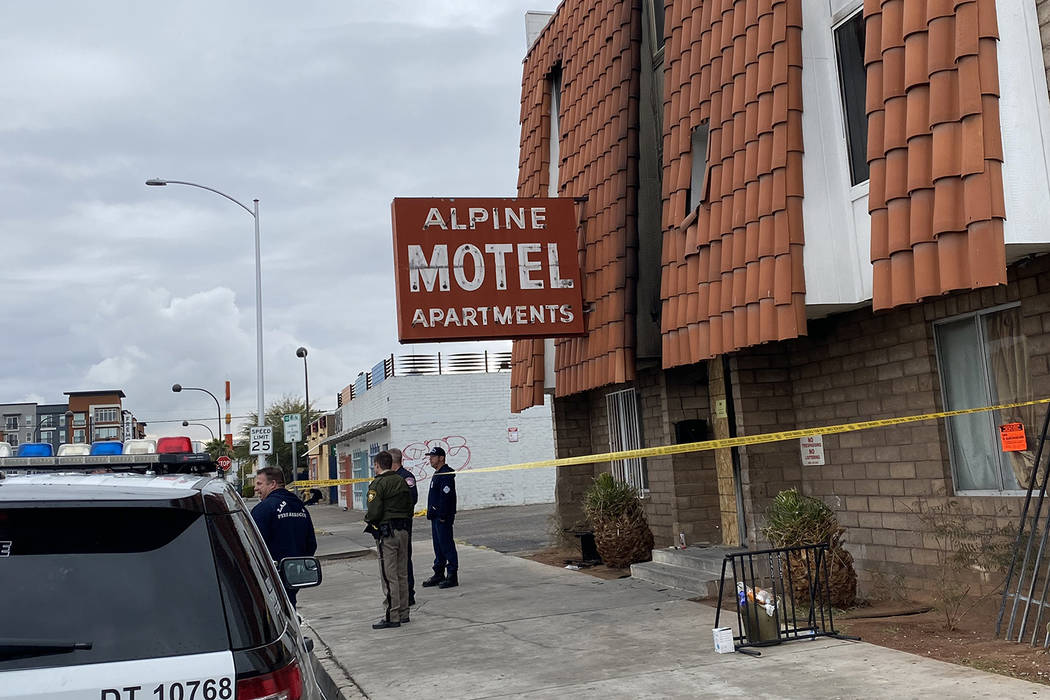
(621, 531)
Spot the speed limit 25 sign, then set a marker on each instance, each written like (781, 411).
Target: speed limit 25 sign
(261, 441)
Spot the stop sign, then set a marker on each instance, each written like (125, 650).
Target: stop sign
(223, 462)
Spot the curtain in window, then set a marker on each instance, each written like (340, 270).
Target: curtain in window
(974, 453)
(1008, 367)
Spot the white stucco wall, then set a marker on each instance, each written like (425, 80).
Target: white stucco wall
(836, 222)
(1024, 113)
(468, 415)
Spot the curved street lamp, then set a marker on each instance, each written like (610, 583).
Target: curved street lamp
(211, 432)
(178, 387)
(159, 182)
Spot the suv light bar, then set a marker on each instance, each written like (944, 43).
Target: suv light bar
(161, 463)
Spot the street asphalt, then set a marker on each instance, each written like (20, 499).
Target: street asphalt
(515, 628)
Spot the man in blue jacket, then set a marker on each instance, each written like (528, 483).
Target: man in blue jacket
(441, 512)
(282, 520)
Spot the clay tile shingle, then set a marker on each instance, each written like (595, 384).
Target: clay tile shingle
(936, 219)
(748, 279)
(597, 45)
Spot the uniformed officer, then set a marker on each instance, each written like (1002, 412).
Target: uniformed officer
(410, 479)
(282, 520)
(441, 512)
(388, 517)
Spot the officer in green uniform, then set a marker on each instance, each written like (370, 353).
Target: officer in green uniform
(389, 519)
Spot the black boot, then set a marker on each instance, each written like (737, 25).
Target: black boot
(385, 624)
(451, 581)
(434, 580)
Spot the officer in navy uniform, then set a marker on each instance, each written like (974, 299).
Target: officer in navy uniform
(410, 480)
(441, 512)
(282, 520)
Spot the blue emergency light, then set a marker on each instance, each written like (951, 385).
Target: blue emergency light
(107, 447)
(35, 449)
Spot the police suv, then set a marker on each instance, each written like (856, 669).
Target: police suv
(142, 577)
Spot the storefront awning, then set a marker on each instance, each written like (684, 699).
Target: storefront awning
(359, 429)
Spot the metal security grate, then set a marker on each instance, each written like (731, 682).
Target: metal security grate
(625, 433)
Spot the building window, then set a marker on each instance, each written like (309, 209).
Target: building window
(849, 49)
(983, 360)
(554, 156)
(79, 418)
(78, 435)
(12, 439)
(655, 11)
(107, 433)
(10, 422)
(625, 433)
(62, 420)
(29, 436)
(698, 176)
(46, 421)
(61, 436)
(107, 415)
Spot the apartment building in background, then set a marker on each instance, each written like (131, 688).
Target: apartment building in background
(796, 213)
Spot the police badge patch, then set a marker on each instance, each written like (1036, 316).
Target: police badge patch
(410, 481)
(371, 496)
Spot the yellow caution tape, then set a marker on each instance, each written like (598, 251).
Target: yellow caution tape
(707, 445)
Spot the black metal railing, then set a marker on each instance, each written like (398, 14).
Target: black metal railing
(780, 595)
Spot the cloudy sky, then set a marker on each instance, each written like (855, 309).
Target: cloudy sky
(324, 111)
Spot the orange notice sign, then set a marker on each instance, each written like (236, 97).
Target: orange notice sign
(1011, 435)
(483, 269)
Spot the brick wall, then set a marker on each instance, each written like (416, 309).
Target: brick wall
(860, 366)
(683, 490)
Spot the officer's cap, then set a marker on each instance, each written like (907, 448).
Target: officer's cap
(436, 452)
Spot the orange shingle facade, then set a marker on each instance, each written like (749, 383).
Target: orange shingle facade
(595, 47)
(934, 147)
(732, 268)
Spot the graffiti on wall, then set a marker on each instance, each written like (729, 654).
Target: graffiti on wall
(457, 455)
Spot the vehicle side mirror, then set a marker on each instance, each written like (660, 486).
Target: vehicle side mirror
(300, 572)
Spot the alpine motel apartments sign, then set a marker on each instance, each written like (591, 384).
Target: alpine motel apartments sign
(486, 268)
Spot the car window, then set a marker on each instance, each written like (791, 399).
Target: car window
(134, 582)
(249, 605)
(261, 556)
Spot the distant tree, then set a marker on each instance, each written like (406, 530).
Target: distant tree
(217, 447)
(282, 456)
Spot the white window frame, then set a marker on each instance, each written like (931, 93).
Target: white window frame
(99, 411)
(625, 433)
(988, 389)
(699, 139)
(844, 15)
(11, 423)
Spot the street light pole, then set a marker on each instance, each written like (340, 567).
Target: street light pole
(254, 211)
(178, 387)
(211, 432)
(301, 352)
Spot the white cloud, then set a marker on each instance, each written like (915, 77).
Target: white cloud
(324, 111)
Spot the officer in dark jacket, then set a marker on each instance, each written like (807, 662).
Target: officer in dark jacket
(389, 516)
(285, 525)
(410, 480)
(441, 512)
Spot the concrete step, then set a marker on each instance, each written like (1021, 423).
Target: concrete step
(691, 580)
(701, 559)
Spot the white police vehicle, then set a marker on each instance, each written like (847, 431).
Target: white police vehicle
(142, 577)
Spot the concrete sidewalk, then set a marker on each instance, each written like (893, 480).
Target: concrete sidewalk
(518, 629)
